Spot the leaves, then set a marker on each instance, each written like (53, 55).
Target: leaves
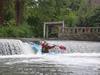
(36, 12)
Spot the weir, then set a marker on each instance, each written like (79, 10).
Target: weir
(11, 47)
(14, 47)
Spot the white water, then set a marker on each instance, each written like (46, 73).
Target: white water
(11, 47)
(79, 46)
(75, 49)
(82, 58)
(14, 47)
(27, 49)
(17, 47)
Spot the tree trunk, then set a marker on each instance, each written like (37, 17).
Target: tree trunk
(1, 11)
(19, 7)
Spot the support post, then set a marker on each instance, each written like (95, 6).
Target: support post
(44, 32)
(47, 32)
(63, 26)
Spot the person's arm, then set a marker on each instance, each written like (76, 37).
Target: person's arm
(51, 46)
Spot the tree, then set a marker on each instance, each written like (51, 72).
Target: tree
(2, 11)
(94, 20)
(85, 10)
(19, 7)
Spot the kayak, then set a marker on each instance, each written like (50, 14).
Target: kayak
(37, 48)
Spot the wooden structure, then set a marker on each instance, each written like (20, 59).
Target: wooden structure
(51, 29)
(57, 30)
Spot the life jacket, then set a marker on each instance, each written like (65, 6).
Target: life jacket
(43, 45)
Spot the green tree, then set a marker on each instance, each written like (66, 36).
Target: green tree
(94, 20)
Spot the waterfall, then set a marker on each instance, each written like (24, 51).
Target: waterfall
(13, 47)
(79, 46)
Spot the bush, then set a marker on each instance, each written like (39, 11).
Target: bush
(36, 25)
(15, 31)
(72, 19)
(24, 31)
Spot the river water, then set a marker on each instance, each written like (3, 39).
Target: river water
(83, 58)
(79, 46)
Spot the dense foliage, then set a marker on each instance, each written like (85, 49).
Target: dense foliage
(25, 18)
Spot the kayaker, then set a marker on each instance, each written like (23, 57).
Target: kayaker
(46, 47)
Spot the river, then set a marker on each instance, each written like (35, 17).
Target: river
(83, 58)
